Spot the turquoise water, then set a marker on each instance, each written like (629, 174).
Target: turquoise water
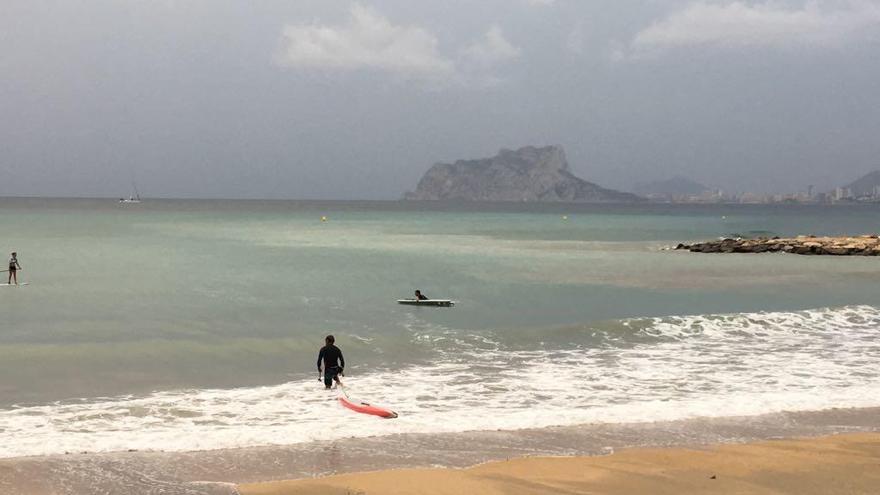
(141, 302)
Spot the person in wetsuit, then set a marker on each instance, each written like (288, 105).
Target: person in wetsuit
(331, 358)
(420, 296)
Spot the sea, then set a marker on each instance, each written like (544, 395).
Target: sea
(183, 325)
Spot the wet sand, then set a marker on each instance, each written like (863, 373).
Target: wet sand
(836, 464)
(218, 471)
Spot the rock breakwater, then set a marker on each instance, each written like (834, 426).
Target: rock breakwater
(866, 245)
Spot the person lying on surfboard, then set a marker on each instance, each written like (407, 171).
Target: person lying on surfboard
(331, 357)
(420, 296)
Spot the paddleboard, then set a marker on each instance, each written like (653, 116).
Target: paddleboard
(364, 408)
(13, 285)
(427, 302)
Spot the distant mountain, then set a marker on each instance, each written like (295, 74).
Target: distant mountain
(527, 174)
(676, 186)
(865, 185)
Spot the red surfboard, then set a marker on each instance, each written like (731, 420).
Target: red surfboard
(363, 407)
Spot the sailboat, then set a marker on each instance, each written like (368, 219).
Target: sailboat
(135, 198)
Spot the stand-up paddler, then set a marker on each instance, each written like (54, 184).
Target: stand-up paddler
(14, 267)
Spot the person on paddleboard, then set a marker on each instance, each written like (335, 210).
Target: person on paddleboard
(14, 267)
(331, 358)
(420, 296)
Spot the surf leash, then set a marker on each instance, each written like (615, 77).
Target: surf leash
(340, 386)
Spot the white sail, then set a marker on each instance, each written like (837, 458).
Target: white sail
(133, 198)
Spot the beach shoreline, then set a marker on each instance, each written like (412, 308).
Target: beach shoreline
(844, 463)
(219, 471)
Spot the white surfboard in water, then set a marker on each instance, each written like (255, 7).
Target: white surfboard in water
(426, 302)
(14, 285)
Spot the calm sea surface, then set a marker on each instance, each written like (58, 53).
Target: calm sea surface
(184, 325)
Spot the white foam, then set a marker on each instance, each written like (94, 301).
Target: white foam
(679, 367)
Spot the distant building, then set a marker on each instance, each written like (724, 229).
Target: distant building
(842, 194)
(751, 198)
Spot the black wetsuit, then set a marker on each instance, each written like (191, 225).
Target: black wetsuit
(333, 363)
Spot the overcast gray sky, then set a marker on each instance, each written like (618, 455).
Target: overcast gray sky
(339, 99)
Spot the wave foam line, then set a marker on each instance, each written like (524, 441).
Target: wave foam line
(696, 366)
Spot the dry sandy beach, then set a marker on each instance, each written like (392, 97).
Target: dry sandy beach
(848, 463)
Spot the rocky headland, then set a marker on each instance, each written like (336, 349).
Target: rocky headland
(527, 174)
(866, 245)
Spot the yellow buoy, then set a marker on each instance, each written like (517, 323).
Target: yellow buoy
(323, 219)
